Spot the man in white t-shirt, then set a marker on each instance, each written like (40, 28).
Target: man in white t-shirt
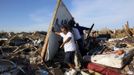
(68, 44)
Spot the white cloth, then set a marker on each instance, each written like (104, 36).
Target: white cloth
(69, 46)
(76, 33)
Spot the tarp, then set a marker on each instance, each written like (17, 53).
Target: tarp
(61, 16)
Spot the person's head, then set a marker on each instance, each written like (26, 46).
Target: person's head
(72, 18)
(77, 24)
(64, 29)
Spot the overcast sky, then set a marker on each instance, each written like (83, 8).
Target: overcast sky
(32, 15)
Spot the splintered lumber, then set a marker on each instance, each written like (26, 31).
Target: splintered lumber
(90, 31)
(127, 30)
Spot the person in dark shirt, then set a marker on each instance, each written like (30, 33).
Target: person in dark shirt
(81, 28)
(71, 22)
(81, 41)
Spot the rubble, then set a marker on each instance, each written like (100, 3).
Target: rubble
(20, 55)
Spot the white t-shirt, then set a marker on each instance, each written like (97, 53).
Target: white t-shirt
(76, 33)
(69, 46)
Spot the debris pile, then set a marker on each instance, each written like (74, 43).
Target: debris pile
(116, 54)
(20, 55)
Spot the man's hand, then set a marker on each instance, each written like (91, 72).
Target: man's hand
(57, 33)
